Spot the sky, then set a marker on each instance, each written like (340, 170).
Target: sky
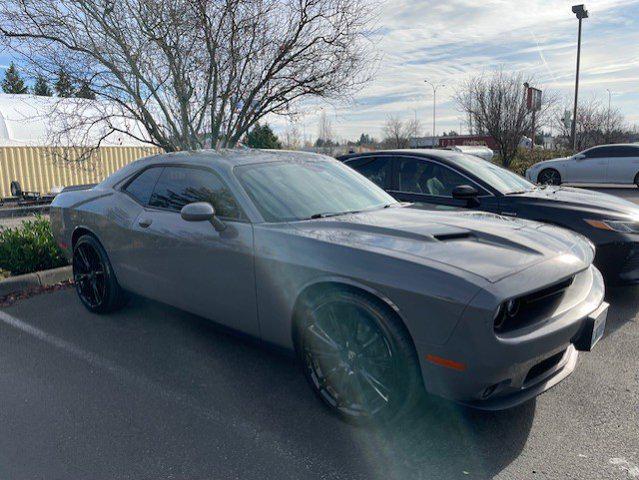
(449, 41)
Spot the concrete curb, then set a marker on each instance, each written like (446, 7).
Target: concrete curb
(36, 279)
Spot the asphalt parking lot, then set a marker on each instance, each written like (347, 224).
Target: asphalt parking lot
(152, 392)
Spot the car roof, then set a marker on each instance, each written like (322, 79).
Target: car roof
(220, 160)
(234, 157)
(446, 155)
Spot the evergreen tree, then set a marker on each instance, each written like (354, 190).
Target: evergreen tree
(85, 91)
(41, 87)
(263, 137)
(13, 82)
(64, 85)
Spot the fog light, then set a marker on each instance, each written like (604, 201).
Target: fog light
(489, 391)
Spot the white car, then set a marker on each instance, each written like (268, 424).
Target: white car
(617, 164)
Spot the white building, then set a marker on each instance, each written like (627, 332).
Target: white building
(33, 121)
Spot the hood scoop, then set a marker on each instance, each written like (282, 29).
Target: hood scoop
(449, 237)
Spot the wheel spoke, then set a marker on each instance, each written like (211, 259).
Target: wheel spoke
(321, 334)
(375, 384)
(83, 258)
(324, 354)
(96, 293)
(375, 336)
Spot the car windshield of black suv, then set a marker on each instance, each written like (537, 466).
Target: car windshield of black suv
(305, 190)
(505, 181)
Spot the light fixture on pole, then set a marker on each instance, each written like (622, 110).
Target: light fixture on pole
(581, 13)
(434, 86)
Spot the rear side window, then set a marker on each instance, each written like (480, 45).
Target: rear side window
(179, 186)
(142, 186)
(376, 169)
(626, 151)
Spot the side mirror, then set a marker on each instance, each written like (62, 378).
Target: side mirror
(579, 156)
(201, 212)
(467, 193)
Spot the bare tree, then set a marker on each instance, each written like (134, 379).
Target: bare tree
(496, 106)
(194, 73)
(325, 130)
(292, 136)
(398, 133)
(596, 125)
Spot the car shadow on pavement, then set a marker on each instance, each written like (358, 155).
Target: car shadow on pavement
(624, 301)
(244, 380)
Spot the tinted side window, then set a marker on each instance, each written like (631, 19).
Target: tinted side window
(428, 178)
(601, 152)
(141, 187)
(377, 170)
(625, 151)
(179, 186)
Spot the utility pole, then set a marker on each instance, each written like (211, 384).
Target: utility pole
(581, 13)
(434, 87)
(608, 119)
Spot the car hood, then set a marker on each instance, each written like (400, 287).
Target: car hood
(584, 201)
(545, 163)
(487, 245)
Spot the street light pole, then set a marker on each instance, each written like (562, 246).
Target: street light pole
(609, 102)
(434, 87)
(581, 13)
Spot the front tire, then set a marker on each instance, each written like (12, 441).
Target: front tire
(637, 180)
(94, 279)
(549, 176)
(358, 357)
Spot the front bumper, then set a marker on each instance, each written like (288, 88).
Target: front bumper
(618, 261)
(497, 372)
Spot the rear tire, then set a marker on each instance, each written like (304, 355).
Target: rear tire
(94, 279)
(637, 180)
(549, 176)
(358, 357)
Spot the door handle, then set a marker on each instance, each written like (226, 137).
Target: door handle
(145, 222)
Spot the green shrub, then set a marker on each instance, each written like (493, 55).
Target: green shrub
(29, 248)
(525, 158)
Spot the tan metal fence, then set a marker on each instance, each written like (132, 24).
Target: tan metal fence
(38, 169)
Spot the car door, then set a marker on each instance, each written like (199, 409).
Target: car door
(425, 181)
(623, 164)
(189, 264)
(589, 166)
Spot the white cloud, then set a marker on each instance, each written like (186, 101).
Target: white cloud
(449, 41)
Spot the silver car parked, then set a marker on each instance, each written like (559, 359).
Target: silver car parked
(603, 164)
(379, 301)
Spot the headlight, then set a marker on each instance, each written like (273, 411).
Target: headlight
(621, 226)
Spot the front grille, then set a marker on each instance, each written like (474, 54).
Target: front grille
(532, 306)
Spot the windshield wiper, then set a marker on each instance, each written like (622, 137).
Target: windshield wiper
(348, 212)
(325, 215)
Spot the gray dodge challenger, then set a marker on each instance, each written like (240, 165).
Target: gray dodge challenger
(378, 300)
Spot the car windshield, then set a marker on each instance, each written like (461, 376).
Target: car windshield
(504, 181)
(302, 189)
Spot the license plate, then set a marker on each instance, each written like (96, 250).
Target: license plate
(594, 329)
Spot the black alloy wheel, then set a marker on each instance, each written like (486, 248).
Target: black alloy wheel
(93, 276)
(549, 176)
(357, 359)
